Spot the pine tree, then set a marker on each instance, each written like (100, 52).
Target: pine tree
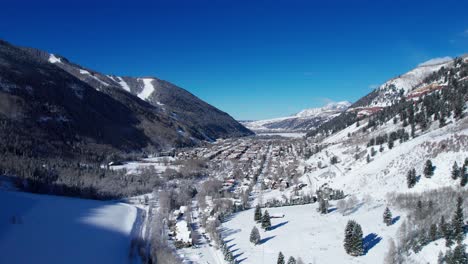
(455, 171)
(258, 214)
(280, 258)
(353, 239)
(440, 258)
(348, 236)
(266, 222)
(358, 247)
(463, 175)
(255, 236)
(457, 222)
(428, 169)
(459, 255)
(411, 178)
(433, 232)
(387, 217)
(291, 260)
(390, 143)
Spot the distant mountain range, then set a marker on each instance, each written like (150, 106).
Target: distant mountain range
(51, 105)
(303, 121)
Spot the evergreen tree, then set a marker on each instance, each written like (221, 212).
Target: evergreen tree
(428, 169)
(433, 232)
(266, 222)
(348, 236)
(387, 217)
(291, 260)
(440, 258)
(353, 239)
(258, 214)
(228, 256)
(390, 143)
(411, 178)
(280, 258)
(459, 255)
(255, 236)
(368, 158)
(357, 244)
(457, 222)
(463, 175)
(455, 171)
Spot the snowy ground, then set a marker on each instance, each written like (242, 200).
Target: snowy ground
(305, 233)
(51, 229)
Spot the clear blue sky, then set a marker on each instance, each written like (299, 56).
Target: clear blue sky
(252, 59)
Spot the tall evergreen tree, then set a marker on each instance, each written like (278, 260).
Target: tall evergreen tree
(357, 244)
(255, 236)
(459, 255)
(457, 221)
(387, 217)
(258, 214)
(433, 232)
(455, 171)
(428, 169)
(266, 222)
(280, 258)
(353, 239)
(411, 178)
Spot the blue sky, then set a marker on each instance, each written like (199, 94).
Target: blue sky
(252, 59)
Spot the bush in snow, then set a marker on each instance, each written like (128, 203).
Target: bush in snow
(291, 260)
(428, 169)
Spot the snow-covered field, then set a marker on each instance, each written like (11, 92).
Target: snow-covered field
(51, 229)
(313, 237)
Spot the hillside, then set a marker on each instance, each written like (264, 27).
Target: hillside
(51, 229)
(53, 107)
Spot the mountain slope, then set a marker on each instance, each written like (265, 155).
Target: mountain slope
(204, 121)
(304, 120)
(52, 107)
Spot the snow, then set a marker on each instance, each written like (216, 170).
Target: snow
(148, 88)
(123, 83)
(330, 107)
(54, 59)
(84, 72)
(51, 229)
(305, 233)
(328, 110)
(285, 134)
(408, 81)
(182, 231)
(135, 167)
(436, 61)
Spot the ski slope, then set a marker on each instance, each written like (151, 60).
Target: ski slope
(51, 229)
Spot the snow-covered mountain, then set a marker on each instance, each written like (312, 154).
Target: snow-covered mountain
(49, 102)
(302, 121)
(400, 86)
